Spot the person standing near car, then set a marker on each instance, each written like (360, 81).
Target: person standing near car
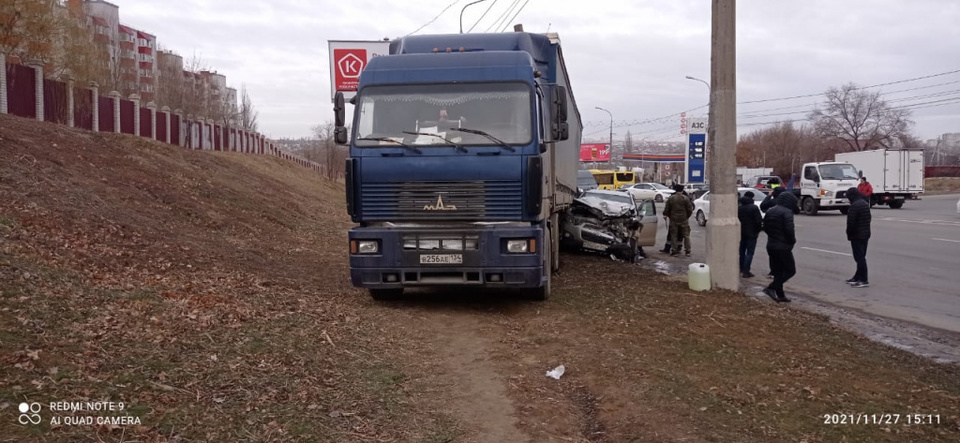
(751, 223)
(865, 189)
(781, 237)
(678, 210)
(858, 232)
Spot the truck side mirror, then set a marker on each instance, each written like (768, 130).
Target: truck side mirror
(339, 116)
(559, 128)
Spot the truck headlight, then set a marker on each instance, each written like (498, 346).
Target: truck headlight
(368, 246)
(527, 245)
(826, 193)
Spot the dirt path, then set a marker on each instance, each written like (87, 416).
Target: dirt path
(480, 393)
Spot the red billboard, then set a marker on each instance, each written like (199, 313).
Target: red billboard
(595, 152)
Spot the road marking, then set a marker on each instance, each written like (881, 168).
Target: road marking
(828, 252)
(924, 222)
(947, 239)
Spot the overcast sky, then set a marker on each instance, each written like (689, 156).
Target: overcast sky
(630, 57)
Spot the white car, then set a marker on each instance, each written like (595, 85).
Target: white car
(958, 206)
(648, 191)
(701, 206)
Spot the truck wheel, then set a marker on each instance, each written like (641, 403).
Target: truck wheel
(844, 210)
(701, 219)
(386, 294)
(542, 293)
(810, 206)
(895, 204)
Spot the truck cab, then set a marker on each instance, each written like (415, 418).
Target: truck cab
(823, 186)
(461, 159)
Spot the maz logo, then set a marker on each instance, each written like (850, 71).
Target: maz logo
(439, 206)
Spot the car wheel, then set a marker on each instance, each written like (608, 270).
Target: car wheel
(810, 206)
(701, 218)
(658, 198)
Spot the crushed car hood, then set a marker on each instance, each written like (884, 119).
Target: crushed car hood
(605, 208)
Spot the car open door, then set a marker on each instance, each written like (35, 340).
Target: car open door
(650, 222)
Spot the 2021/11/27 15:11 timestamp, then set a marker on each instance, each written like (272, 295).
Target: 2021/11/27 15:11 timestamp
(881, 419)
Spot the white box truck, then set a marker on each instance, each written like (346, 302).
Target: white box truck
(895, 175)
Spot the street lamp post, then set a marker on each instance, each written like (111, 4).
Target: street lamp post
(611, 129)
(464, 8)
(709, 143)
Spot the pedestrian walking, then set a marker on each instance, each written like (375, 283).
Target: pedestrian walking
(866, 190)
(858, 232)
(678, 210)
(781, 237)
(751, 223)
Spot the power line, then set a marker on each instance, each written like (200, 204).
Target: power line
(482, 16)
(859, 88)
(507, 23)
(496, 23)
(434, 19)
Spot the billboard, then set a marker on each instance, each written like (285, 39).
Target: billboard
(595, 152)
(347, 60)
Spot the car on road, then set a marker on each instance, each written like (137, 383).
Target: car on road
(586, 181)
(701, 206)
(958, 206)
(608, 221)
(648, 191)
(763, 181)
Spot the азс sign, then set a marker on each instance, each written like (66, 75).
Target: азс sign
(347, 60)
(595, 152)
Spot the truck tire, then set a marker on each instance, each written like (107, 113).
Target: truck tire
(386, 294)
(810, 206)
(844, 210)
(543, 293)
(895, 204)
(554, 232)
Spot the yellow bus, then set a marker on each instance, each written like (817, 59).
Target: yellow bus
(609, 179)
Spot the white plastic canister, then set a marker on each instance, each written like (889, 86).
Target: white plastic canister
(698, 275)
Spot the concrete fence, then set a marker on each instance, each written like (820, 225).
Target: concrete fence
(26, 93)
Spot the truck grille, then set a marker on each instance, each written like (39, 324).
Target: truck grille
(466, 200)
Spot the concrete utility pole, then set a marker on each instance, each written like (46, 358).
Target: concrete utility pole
(723, 230)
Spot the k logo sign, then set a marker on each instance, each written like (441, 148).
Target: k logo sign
(349, 65)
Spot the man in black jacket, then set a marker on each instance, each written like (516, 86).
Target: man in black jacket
(781, 236)
(751, 223)
(858, 232)
(771, 199)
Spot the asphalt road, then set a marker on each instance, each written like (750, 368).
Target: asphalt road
(913, 260)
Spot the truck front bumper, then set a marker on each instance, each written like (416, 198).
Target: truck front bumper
(833, 203)
(399, 260)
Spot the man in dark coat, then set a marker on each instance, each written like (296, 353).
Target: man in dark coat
(771, 199)
(858, 232)
(678, 211)
(751, 223)
(781, 236)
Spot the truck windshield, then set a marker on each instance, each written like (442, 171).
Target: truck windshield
(502, 110)
(838, 172)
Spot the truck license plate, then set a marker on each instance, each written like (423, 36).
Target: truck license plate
(441, 259)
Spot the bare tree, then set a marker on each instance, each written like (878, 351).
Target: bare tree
(860, 118)
(783, 147)
(325, 151)
(247, 118)
(628, 143)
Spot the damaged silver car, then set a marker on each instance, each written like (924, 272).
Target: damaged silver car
(603, 221)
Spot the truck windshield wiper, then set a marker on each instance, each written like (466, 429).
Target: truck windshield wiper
(388, 139)
(492, 138)
(455, 144)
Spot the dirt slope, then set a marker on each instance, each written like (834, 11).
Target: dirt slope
(209, 293)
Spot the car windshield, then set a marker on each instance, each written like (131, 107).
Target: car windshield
(619, 198)
(838, 172)
(659, 187)
(502, 110)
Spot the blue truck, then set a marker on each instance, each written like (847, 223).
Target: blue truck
(463, 153)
